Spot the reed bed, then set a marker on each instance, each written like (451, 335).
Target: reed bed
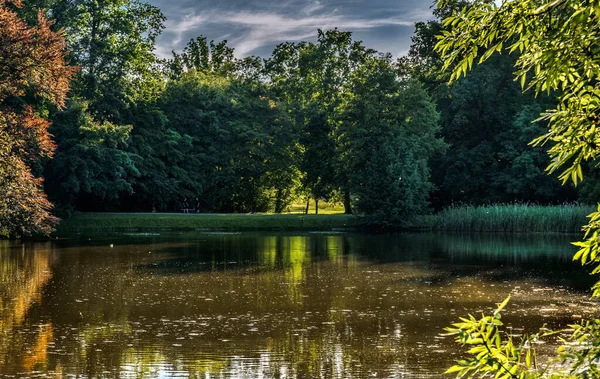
(513, 218)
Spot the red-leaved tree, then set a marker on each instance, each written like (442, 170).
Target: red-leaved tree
(33, 71)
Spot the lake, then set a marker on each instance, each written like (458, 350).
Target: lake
(271, 305)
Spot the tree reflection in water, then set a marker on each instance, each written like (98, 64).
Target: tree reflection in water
(25, 269)
(267, 305)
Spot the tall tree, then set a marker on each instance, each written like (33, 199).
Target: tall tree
(487, 121)
(311, 78)
(34, 73)
(94, 167)
(113, 42)
(387, 136)
(239, 148)
(158, 151)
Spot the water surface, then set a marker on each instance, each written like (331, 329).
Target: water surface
(268, 305)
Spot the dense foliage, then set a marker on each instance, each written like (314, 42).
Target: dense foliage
(207, 131)
(365, 132)
(240, 153)
(327, 120)
(388, 137)
(557, 43)
(487, 121)
(34, 74)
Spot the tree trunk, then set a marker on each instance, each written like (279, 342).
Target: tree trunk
(278, 201)
(316, 206)
(307, 204)
(347, 203)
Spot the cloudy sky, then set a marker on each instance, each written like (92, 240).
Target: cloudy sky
(254, 27)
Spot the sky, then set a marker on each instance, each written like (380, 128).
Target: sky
(255, 27)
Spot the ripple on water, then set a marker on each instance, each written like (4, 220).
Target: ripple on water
(270, 305)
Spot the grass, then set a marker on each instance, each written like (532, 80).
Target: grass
(324, 208)
(174, 221)
(511, 218)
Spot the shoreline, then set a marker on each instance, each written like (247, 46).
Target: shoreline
(509, 219)
(119, 222)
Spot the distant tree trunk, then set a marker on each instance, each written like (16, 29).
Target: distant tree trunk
(347, 204)
(316, 206)
(307, 204)
(279, 201)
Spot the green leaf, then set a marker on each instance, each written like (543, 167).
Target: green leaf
(503, 304)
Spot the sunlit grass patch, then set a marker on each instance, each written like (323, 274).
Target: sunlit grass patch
(324, 208)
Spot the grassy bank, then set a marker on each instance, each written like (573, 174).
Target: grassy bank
(494, 218)
(513, 218)
(180, 221)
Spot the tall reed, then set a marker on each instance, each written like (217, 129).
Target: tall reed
(567, 218)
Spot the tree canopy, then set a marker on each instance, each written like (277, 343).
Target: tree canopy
(487, 121)
(34, 72)
(327, 119)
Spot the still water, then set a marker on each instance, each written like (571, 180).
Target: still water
(268, 305)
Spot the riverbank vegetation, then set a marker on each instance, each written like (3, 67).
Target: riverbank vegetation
(94, 222)
(322, 120)
(511, 218)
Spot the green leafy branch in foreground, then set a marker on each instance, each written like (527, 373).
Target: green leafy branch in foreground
(558, 42)
(490, 353)
(588, 252)
(502, 358)
(558, 47)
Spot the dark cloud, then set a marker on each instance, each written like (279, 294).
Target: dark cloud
(254, 27)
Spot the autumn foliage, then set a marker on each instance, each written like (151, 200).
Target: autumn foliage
(33, 73)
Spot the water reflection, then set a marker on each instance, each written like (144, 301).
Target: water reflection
(24, 271)
(268, 305)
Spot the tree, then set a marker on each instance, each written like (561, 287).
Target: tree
(94, 167)
(310, 79)
(239, 147)
(486, 119)
(559, 50)
(34, 72)
(202, 56)
(387, 136)
(158, 151)
(488, 122)
(113, 42)
(359, 129)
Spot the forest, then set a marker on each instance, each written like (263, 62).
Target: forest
(328, 119)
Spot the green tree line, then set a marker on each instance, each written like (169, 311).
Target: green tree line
(326, 120)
